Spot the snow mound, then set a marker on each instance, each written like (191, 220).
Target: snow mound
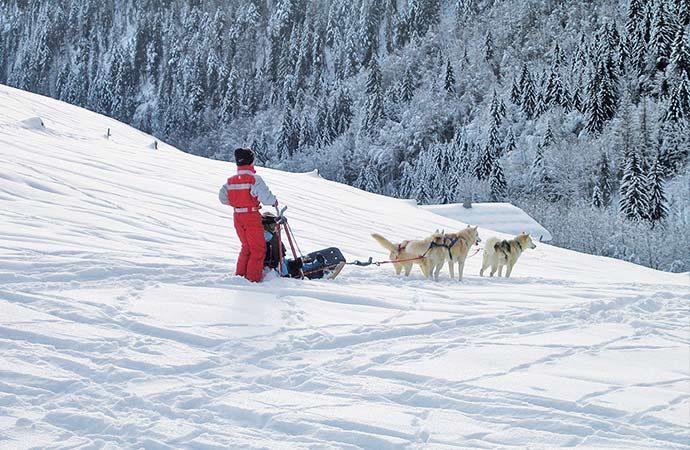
(503, 217)
(121, 326)
(32, 123)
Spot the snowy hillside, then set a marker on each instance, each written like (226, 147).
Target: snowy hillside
(502, 217)
(121, 326)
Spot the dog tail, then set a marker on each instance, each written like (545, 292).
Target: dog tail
(490, 246)
(385, 243)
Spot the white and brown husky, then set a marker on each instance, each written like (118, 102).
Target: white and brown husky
(410, 252)
(458, 246)
(499, 253)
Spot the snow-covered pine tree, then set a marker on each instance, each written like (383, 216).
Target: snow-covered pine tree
(548, 138)
(539, 176)
(555, 95)
(596, 113)
(368, 179)
(497, 110)
(556, 56)
(662, 33)
(658, 209)
(489, 47)
(597, 200)
(509, 145)
(407, 86)
(229, 106)
(634, 190)
(288, 138)
(604, 182)
(680, 55)
(449, 84)
(634, 16)
(529, 95)
(516, 93)
(497, 181)
(406, 184)
(374, 98)
(683, 12)
(679, 103)
(488, 154)
(307, 134)
(343, 111)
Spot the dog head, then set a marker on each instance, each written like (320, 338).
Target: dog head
(526, 241)
(472, 234)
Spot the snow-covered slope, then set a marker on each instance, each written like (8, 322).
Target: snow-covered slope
(496, 216)
(121, 326)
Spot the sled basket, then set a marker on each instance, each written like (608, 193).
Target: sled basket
(322, 262)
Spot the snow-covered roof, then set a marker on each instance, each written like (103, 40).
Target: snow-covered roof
(503, 217)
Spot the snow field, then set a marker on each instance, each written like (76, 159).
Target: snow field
(122, 327)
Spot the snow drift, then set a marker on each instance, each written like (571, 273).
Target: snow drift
(121, 326)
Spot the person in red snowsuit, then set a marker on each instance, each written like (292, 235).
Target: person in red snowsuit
(245, 192)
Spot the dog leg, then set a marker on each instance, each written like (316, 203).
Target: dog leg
(408, 269)
(494, 268)
(485, 264)
(509, 269)
(398, 268)
(451, 269)
(500, 271)
(461, 269)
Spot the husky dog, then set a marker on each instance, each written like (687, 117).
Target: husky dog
(498, 253)
(411, 252)
(458, 246)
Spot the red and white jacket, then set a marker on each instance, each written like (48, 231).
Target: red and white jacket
(246, 191)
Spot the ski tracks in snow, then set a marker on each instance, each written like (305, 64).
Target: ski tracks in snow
(120, 328)
(367, 361)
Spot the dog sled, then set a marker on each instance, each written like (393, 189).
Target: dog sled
(321, 264)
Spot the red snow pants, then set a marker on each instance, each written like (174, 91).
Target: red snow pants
(249, 229)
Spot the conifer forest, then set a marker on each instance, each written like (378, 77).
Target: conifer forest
(577, 111)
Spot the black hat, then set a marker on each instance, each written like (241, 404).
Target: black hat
(244, 156)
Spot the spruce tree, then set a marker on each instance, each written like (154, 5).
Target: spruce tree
(555, 95)
(406, 185)
(489, 47)
(407, 87)
(679, 103)
(488, 155)
(597, 200)
(509, 144)
(662, 34)
(529, 96)
(597, 114)
(343, 112)
(635, 15)
(288, 138)
(634, 193)
(684, 12)
(368, 179)
(658, 209)
(374, 98)
(497, 110)
(680, 55)
(604, 181)
(498, 183)
(539, 175)
(449, 84)
(516, 93)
